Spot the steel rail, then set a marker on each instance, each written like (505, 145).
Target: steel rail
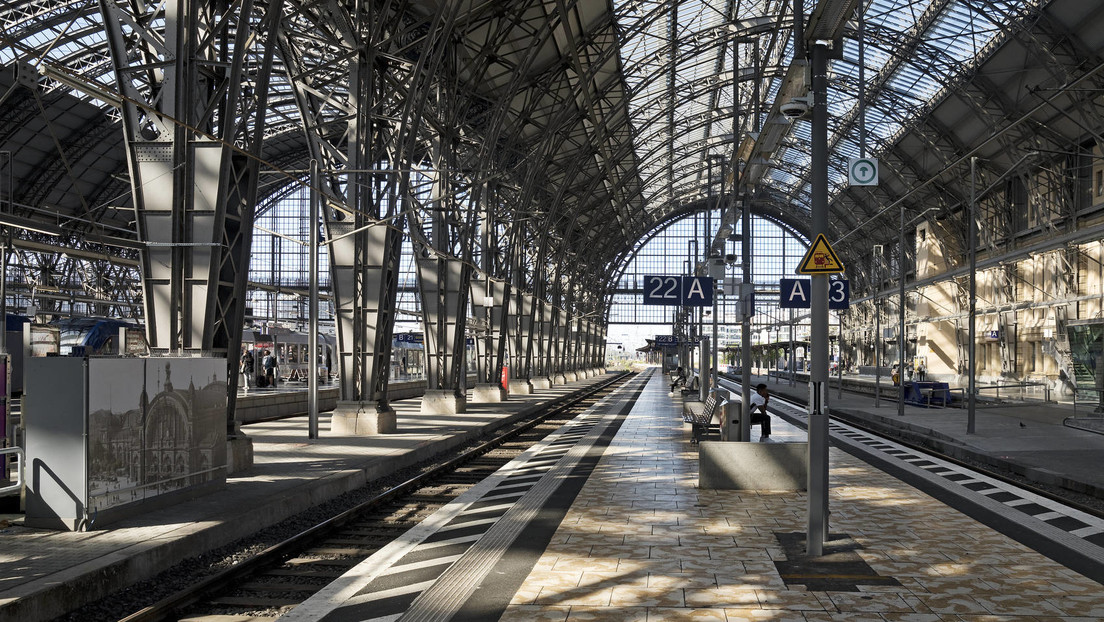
(1024, 483)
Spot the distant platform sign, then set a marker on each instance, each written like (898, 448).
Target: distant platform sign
(666, 340)
(820, 259)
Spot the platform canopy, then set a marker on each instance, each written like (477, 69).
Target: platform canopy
(596, 123)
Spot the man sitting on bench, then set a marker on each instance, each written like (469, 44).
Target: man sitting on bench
(680, 378)
(693, 386)
(759, 401)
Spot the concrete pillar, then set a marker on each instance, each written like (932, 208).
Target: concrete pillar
(488, 393)
(520, 387)
(362, 419)
(443, 402)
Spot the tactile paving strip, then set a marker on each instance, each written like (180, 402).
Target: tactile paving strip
(1085, 527)
(386, 585)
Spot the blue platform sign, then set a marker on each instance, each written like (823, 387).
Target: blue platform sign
(839, 294)
(797, 294)
(694, 291)
(794, 293)
(697, 291)
(666, 340)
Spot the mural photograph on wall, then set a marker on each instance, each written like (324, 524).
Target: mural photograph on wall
(155, 426)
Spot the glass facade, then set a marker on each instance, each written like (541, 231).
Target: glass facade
(279, 277)
(775, 253)
(278, 272)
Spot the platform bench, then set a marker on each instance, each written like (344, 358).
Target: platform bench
(700, 416)
(927, 393)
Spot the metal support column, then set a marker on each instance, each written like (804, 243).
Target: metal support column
(444, 285)
(312, 312)
(817, 525)
(901, 337)
(194, 196)
(971, 369)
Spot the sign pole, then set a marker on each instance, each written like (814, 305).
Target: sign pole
(817, 524)
(312, 338)
(901, 316)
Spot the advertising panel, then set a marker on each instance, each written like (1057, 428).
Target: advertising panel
(154, 426)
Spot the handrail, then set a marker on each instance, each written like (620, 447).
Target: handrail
(1096, 404)
(18, 485)
(1021, 386)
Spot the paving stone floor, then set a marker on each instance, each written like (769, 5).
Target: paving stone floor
(643, 543)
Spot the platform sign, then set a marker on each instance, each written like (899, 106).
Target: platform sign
(839, 294)
(662, 290)
(666, 340)
(794, 293)
(797, 294)
(695, 291)
(820, 259)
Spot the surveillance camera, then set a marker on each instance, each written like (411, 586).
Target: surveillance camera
(794, 109)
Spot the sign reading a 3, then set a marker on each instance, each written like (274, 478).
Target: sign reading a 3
(796, 294)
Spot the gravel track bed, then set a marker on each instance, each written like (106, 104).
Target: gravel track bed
(192, 570)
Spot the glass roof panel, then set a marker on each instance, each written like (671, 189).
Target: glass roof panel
(914, 49)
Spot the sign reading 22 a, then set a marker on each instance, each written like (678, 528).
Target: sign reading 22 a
(694, 291)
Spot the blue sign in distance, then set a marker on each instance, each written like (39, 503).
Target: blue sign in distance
(666, 340)
(797, 294)
(694, 291)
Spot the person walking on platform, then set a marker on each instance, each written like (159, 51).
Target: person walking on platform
(247, 368)
(759, 414)
(269, 364)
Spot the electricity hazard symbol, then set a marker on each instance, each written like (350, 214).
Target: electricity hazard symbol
(820, 259)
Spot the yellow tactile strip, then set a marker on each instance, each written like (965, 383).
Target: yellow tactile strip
(641, 542)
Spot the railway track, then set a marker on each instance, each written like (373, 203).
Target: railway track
(1062, 524)
(272, 581)
(1079, 501)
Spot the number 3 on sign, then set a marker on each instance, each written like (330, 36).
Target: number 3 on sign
(839, 294)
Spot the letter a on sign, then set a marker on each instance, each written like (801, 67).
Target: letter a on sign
(820, 259)
(697, 291)
(794, 293)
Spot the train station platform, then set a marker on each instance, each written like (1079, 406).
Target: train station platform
(44, 573)
(1034, 439)
(641, 541)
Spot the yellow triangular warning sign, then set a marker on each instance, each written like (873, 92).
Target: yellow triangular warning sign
(820, 259)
